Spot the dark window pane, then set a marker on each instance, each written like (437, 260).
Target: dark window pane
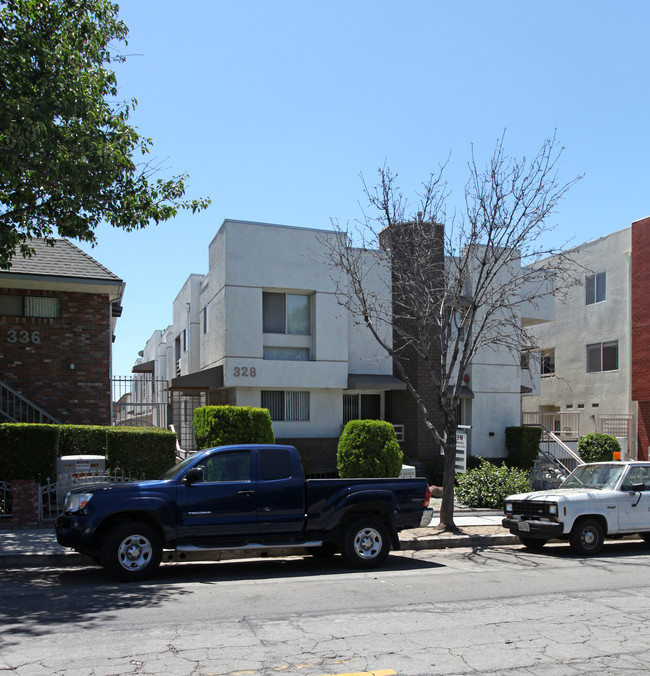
(274, 464)
(274, 402)
(610, 356)
(370, 406)
(601, 287)
(273, 312)
(593, 358)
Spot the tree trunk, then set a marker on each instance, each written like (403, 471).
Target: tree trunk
(448, 481)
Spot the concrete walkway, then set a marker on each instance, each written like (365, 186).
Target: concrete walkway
(38, 548)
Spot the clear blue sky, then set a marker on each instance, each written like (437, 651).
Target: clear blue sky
(274, 107)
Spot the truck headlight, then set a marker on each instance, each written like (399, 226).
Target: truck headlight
(552, 510)
(508, 508)
(74, 502)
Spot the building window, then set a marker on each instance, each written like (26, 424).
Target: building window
(602, 357)
(280, 353)
(286, 406)
(525, 361)
(361, 407)
(184, 340)
(596, 288)
(548, 363)
(286, 313)
(29, 306)
(205, 319)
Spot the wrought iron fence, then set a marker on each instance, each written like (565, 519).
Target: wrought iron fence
(140, 401)
(5, 498)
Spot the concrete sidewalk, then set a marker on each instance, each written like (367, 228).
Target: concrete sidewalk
(38, 548)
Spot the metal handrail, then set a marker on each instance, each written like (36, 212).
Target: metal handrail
(22, 409)
(567, 460)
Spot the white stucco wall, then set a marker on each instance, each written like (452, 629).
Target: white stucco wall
(576, 325)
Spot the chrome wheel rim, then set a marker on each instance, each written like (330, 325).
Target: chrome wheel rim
(368, 543)
(134, 552)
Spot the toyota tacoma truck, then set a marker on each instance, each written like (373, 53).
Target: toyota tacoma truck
(239, 497)
(596, 500)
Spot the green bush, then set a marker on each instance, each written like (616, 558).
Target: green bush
(82, 440)
(140, 452)
(224, 425)
(489, 485)
(598, 447)
(368, 448)
(28, 451)
(522, 445)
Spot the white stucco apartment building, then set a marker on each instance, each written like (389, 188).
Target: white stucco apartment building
(585, 383)
(263, 328)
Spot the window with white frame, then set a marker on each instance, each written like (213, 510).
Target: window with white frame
(548, 363)
(602, 357)
(287, 313)
(286, 406)
(595, 288)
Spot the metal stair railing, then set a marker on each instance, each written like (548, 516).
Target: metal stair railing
(17, 408)
(555, 451)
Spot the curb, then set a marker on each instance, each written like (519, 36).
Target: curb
(70, 559)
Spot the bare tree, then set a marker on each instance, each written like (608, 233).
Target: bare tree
(453, 289)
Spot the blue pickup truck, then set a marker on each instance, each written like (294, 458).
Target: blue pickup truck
(239, 497)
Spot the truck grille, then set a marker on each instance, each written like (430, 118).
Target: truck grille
(531, 509)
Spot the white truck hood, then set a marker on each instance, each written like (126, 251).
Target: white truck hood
(563, 495)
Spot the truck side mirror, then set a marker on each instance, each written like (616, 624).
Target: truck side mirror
(193, 476)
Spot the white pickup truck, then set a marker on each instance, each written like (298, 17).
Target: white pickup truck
(597, 500)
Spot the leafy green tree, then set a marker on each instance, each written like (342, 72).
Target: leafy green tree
(69, 160)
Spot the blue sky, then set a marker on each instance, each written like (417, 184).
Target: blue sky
(274, 108)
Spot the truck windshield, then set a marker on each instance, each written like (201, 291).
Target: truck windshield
(173, 471)
(594, 476)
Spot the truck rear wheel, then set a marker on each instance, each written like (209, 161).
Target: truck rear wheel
(365, 543)
(587, 537)
(131, 551)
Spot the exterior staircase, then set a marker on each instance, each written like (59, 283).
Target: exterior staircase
(16, 408)
(554, 462)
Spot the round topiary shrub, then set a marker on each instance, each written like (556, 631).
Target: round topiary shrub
(489, 485)
(368, 448)
(598, 447)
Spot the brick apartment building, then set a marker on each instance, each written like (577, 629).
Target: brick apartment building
(57, 318)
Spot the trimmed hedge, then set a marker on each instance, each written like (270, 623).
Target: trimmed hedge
(140, 452)
(29, 451)
(225, 425)
(598, 447)
(82, 440)
(368, 448)
(522, 445)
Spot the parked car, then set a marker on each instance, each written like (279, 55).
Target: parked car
(239, 497)
(597, 500)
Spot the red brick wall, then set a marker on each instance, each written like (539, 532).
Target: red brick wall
(640, 330)
(36, 355)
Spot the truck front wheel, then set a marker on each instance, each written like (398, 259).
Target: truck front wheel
(131, 551)
(587, 537)
(534, 544)
(365, 543)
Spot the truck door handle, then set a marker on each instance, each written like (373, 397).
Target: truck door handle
(245, 492)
